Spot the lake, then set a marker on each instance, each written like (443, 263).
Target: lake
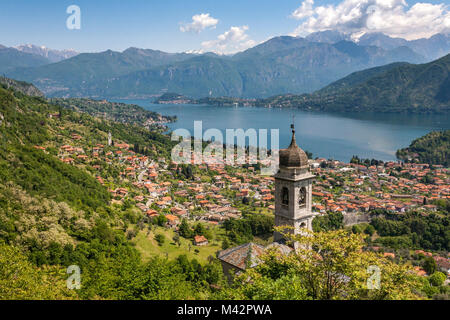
(327, 135)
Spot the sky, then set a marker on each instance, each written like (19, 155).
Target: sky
(224, 26)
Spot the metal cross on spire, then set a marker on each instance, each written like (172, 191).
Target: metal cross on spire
(293, 123)
(293, 142)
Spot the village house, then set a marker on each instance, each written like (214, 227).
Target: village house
(200, 241)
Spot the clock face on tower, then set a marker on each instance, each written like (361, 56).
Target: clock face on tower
(302, 196)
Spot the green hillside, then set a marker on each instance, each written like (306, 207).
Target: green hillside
(433, 148)
(114, 111)
(21, 86)
(358, 77)
(24, 125)
(422, 88)
(87, 70)
(53, 214)
(11, 58)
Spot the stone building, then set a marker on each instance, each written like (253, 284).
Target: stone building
(293, 209)
(293, 191)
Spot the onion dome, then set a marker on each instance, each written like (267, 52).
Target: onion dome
(293, 156)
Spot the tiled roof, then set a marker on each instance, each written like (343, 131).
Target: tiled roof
(282, 248)
(200, 239)
(241, 255)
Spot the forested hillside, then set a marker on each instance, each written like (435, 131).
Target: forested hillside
(11, 58)
(115, 111)
(56, 214)
(433, 148)
(422, 88)
(21, 86)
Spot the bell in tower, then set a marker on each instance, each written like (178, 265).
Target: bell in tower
(293, 191)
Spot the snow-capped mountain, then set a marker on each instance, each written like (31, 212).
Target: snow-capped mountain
(50, 54)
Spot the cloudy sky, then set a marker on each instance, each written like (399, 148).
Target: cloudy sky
(210, 25)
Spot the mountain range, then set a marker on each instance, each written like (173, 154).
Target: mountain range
(51, 54)
(24, 56)
(398, 87)
(280, 65)
(431, 48)
(11, 58)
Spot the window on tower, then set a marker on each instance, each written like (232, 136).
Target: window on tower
(302, 196)
(285, 196)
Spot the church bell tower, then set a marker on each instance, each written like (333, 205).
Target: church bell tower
(293, 190)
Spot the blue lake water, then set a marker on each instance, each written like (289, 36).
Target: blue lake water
(328, 135)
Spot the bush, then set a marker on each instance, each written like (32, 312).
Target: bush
(161, 220)
(131, 234)
(429, 265)
(437, 279)
(160, 239)
(331, 221)
(225, 244)
(357, 229)
(370, 230)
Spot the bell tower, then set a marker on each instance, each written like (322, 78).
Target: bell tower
(293, 190)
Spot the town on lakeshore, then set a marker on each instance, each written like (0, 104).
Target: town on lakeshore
(218, 193)
(225, 158)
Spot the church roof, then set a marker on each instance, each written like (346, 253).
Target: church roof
(242, 256)
(280, 247)
(293, 156)
(247, 255)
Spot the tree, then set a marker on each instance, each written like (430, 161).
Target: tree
(161, 220)
(437, 279)
(131, 234)
(329, 265)
(429, 265)
(357, 228)
(160, 238)
(184, 229)
(176, 239)
(19, 280)
(330, 221)
(264, 288)
(199, 229)
(225, 244)
(370, 230)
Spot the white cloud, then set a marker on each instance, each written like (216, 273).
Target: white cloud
(234, 40)
(392, 17)
(305, 10)
(199, 23)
